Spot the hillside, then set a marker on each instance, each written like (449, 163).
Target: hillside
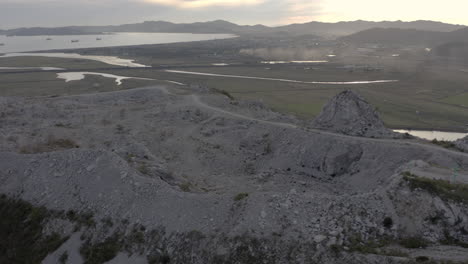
(453, 50)
(346, 28)
(398, 36)
(44, 31)
(169, 175)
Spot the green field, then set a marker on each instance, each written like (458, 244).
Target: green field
(459, 99)
(431, 98)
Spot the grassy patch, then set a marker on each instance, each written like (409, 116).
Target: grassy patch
(446, 144)
(185, 187)
(441, 188)
(50, 145)
(240, 196)
(414, 242)
(21, 232)
(459, 99)
(450, 240)
(81, 219)
(377, 246)
(144, 169)
(101, 252)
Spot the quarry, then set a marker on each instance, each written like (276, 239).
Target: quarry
(173, 174)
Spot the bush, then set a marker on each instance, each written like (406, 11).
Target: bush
(241, 196)
(422, 259)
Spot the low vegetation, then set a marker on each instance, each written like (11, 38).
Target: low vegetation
(185, 187)
(414, 242)
(444, 189)
(241, 196)
(22, 239)
(50, 145)
(101, 252)
(452, 241)
(224, 92)
(386, 245)
(446, 144)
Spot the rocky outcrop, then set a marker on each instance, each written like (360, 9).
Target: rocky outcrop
(462, 144)
(350, 114)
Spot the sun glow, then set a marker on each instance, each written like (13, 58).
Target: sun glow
(204, 3)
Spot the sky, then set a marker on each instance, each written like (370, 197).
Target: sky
(52, 13)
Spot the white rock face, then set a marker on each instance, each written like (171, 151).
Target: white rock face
(350, 114)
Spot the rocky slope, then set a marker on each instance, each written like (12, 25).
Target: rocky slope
(158, 175)
(462, 144)
(348, 113)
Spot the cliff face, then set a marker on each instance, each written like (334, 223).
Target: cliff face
(350, 114)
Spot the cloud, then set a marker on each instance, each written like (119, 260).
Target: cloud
(301, 11)
(205, 3)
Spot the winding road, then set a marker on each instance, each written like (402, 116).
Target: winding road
(197, 101)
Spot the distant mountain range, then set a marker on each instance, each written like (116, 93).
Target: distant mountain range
(347, 28)
(221, 26)
(398, 36)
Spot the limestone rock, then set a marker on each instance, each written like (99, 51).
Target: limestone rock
(350, 114)
(462, 144)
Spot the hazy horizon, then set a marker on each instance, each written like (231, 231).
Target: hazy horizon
(54, 13)
(221, 19)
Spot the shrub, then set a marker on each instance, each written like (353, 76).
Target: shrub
(21, 232)
(185, 187)
(422, 259)
(444, 189)
(241, 196)
(446, 144)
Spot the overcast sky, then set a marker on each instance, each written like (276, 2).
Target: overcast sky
(19, 13)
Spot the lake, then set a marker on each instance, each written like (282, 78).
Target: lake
(41, 43)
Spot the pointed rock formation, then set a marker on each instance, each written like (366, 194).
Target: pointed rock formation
(350, 114)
